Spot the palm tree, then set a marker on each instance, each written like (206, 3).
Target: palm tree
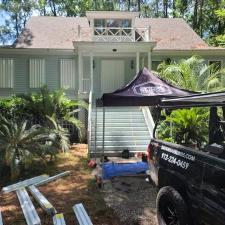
(193, 74)
(54, 105)
(19, 145)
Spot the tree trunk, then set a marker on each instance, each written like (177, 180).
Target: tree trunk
(200, 18)
(53, 7)
(17, 25)
(139, 5)
(174, 8)
(165, 8)
(128, 5)
(195, 16)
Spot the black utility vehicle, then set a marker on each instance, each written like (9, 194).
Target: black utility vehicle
(191, 180)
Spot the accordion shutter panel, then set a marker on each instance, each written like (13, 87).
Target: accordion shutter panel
(67, 73)
(6, 73)
(37, 73)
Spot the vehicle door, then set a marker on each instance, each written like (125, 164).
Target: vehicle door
(213, 191)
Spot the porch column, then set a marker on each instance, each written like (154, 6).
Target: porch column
(80, 71)
(137, 62)
(91, 72)
(149, 60)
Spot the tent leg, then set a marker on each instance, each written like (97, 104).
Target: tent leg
(103, 135)
(96, 127)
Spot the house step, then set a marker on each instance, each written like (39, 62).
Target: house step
(121, 148)
(120, 128)
(121, 142)
(124, 137)
(121, 133)
(124, 128)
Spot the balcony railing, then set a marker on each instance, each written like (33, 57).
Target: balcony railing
(115, 34)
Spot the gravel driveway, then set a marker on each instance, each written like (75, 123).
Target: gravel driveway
(132, 199)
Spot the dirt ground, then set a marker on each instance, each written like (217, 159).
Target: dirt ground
(106, 207)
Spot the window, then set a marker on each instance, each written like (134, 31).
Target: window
(67, 73)
(36, 73)
(124, 23)
(6, 73)
(217, 64)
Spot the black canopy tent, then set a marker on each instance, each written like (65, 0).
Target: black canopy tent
(146, 89)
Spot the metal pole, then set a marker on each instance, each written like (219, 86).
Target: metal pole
(103, 135)
(96, 127)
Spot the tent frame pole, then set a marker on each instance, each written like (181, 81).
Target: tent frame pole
(103, 133)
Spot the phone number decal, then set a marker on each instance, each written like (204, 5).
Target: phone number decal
(175, 161)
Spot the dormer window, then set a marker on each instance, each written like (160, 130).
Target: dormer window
(123, 23)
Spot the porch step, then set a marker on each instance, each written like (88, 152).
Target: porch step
(125, 128)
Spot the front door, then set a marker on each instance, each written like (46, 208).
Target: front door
(112, 75)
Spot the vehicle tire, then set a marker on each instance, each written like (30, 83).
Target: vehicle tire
(171, 207)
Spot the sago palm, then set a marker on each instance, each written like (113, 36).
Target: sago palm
(19, 144)
(54, 104)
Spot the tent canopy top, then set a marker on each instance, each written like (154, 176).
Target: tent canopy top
(146, 89)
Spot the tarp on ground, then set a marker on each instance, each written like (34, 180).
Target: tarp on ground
(111, 170)
(146, 89)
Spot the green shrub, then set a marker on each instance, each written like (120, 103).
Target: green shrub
(185, 126)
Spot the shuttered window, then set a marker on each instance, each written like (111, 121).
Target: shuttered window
(37, 73)
(6, 73)
(67, 73)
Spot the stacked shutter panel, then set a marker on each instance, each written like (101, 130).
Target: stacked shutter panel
(6, 73)
(37, 73)
(67, 73)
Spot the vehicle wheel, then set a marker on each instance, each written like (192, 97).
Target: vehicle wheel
(171, 207)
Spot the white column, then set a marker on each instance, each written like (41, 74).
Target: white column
(137, 62)
(91, 73)
(80, 71)
(149, 60)
(143, 62)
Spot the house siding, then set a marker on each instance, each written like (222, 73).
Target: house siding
(52, 64)
(21, 74)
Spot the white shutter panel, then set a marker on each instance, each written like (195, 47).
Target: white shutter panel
(67, 73)
(37, 73)
(6, 73)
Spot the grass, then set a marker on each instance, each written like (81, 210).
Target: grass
(63, 193)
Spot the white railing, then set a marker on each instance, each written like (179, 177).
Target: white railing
(115, 34)
(148, 120)
(86, 85)
(89, 121)
(119, 34)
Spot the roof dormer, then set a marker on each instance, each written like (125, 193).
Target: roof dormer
(111, 18)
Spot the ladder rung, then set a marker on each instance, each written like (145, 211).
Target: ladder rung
(27, 206)
(43, 202)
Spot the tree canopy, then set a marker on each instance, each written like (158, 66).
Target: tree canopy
(206, 17)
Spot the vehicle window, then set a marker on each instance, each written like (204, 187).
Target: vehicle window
(188, 127)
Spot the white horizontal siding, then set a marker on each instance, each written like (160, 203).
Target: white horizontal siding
(67, 73)
(6, 73)
(36, 73)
